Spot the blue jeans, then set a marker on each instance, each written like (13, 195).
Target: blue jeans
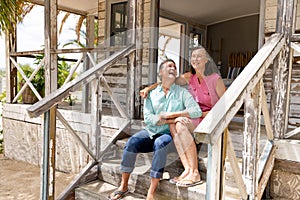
(140, 142)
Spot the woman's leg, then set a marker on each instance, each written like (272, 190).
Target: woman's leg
(183, 158)
(187, 148)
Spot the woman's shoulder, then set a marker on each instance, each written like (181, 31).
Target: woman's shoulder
(214, 76)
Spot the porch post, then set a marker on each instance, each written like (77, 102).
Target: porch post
(11, 71)
(282, 70)
(251, 136)
(90, 26)
(153, 43)
(49, 149)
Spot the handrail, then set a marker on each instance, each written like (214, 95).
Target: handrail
(213, 125)
(49, 101)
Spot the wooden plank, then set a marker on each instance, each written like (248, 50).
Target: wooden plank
(86, 77)
(251, 137)
(235, 168)
(282, 72)
(288, 150)
(214, 170)
(269, 165)
(292, 133)
(228, 105)
(266, 115)
(76, 181)
(50, 68)
(264, 157)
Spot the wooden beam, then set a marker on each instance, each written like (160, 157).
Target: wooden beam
(292, 133)
(282, 72)
(266, 114)
(235, 168)
(251, 136)
(45, 104)
(214, 170)
(266, 173)
(50, 66)
(153, 41)
(261, 31)
(11, 72)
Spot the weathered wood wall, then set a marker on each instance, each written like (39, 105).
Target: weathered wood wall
(294, 114)
(270, 26)
(117, 75)
(271, 12)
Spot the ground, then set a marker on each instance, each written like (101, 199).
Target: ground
(20, 180)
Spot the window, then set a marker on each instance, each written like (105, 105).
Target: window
(118, 25)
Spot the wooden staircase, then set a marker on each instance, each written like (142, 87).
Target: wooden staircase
(109, 176)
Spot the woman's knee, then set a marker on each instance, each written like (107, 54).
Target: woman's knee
(181, 128)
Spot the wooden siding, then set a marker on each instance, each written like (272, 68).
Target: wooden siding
(270, 17)
(294, 114)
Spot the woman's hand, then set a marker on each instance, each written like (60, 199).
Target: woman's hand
(144, 92)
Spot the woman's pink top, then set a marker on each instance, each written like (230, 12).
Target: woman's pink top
(204, 93)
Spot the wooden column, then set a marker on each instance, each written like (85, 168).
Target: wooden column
(261, 31)
(132, 7)
(139, 58)
(153, 43)
(90, 27)
(214, 168)
(11, 71)
(251, 137)
(282, 70)
(48, 170)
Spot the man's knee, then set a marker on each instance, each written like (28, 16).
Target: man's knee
(162, 141)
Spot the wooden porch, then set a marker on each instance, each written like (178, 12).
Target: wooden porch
(239, 153)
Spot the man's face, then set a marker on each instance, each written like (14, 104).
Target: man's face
(168, 71)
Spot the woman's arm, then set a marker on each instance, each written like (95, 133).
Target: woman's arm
(144, 92)
(220, 87)
(183, 79)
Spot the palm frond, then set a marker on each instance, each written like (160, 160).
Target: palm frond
(78, 26)
(66, 16)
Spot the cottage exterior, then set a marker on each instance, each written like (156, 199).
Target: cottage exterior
(125, 58)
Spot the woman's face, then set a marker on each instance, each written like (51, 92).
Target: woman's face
(198, 59)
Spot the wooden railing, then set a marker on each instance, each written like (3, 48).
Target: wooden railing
(247, 89)
(93, 74)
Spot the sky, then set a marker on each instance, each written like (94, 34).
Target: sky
(31, 34)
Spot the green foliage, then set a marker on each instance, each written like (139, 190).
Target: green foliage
(38, 80)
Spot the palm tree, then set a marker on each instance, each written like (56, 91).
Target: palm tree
(12, 12)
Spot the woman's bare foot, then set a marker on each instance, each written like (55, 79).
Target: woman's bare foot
(195, 177)
(118, 194)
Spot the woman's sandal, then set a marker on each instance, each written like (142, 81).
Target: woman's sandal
(117, 192)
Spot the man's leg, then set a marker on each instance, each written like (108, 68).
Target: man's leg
(161, 146)
(139, 142)
(152, 189)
